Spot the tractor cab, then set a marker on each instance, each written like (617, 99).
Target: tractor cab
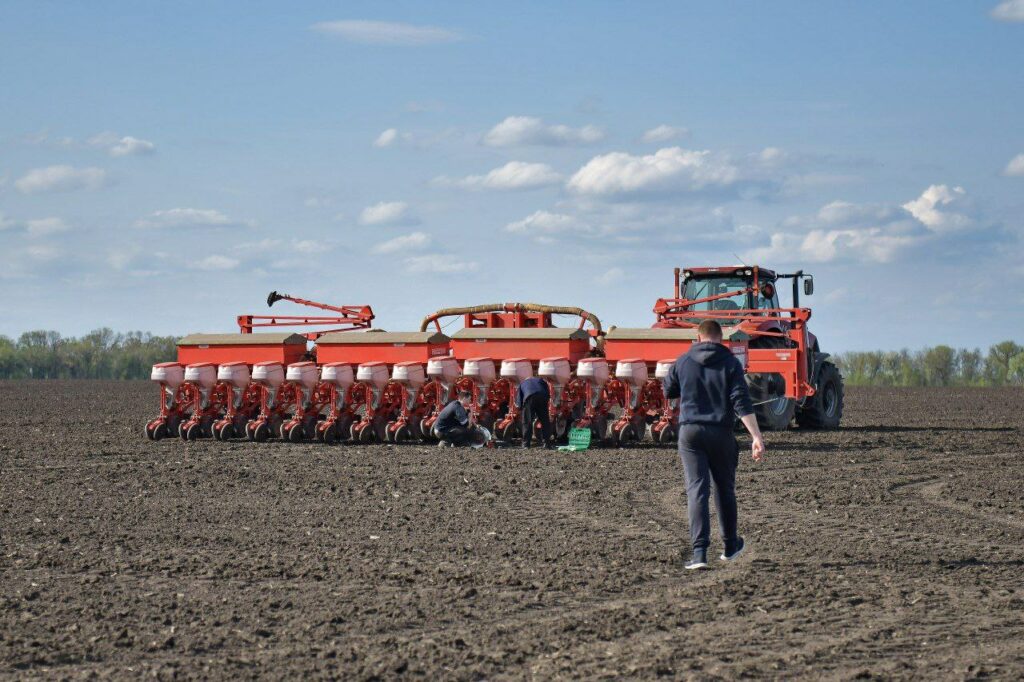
(729, 294)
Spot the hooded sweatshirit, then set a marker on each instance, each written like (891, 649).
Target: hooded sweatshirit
(709, 382)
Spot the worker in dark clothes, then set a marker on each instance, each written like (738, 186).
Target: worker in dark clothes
(452, 425)
(532, 398)
(712, 391)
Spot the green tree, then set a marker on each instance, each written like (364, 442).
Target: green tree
(997, 362)
(939, 364)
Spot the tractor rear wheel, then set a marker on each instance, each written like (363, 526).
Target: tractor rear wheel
(768, 391)
(824, 409)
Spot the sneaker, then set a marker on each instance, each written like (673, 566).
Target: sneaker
(737, 550)
(698, 560)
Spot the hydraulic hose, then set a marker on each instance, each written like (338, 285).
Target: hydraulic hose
(520, 307)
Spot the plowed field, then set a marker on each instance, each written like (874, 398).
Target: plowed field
(893, 548)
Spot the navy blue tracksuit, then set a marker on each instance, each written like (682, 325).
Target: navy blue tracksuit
(533, 397)
(710, 384)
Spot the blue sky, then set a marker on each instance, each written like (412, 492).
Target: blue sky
(164, 166)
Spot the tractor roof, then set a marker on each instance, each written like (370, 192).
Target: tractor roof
(731, 269)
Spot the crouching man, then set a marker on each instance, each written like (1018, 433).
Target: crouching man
(452, 425)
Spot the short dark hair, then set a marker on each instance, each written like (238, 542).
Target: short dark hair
(465, 395)
(711, 330)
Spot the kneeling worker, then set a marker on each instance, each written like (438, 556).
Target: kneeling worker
(712, 391)
(452, 425)
(532, 398)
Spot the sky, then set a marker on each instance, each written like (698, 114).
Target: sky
(163, 166)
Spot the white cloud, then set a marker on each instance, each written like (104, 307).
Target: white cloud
(513, 175)
(43, 253)
(309, 246)
(6, 223)
(611, 276)
(935, 209)
(668, 169)
(187, 217)
(387, 213)
(1016, 166)
(528, 130)
(1008, 10)
(387, 138)
(45, 226)
(213, 263)
(771, 155)
(869, 233)
(664, 133)
(404, 242)
(822, 246)
(545, 222)
(60, 179)
(386, 33)
(132, 146)
(435, 263)
(121, 145)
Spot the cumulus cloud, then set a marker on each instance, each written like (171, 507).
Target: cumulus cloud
(387, 213)
(845, 231)
(528, 130)
(213, 263)
(1008, 10)
(664, 133)
(545, 222)
(513, 175)
(1015, 167)
(669, 169)
(404, 242)
(46, 226)
(117, 145)
(435, 263)
(386, 33)
(822, 246)
(386, 138)
(937, 207)
(611, 276)
(188, 217)
(60, 179)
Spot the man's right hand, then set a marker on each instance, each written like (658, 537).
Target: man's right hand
(757, 448)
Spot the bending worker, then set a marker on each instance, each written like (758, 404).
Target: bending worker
(709, 382)
(532, 398)
(452, 425)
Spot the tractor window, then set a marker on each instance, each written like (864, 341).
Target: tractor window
(768, 303)
(695, 289)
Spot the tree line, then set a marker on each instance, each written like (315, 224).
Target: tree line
(100, 354)
(105, 354)
(1002, 365)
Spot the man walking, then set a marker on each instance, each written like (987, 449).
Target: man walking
(709, 382)
(532, 398)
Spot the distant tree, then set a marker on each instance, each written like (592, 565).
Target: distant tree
(997, 362)
(1015, 373)
(939, 363)
(969, 366)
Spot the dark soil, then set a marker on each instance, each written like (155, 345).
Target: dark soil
(891, 548)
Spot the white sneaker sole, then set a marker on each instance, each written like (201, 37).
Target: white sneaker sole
(693, 567)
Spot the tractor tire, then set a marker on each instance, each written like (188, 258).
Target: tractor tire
(775, 411)
(824, 409)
